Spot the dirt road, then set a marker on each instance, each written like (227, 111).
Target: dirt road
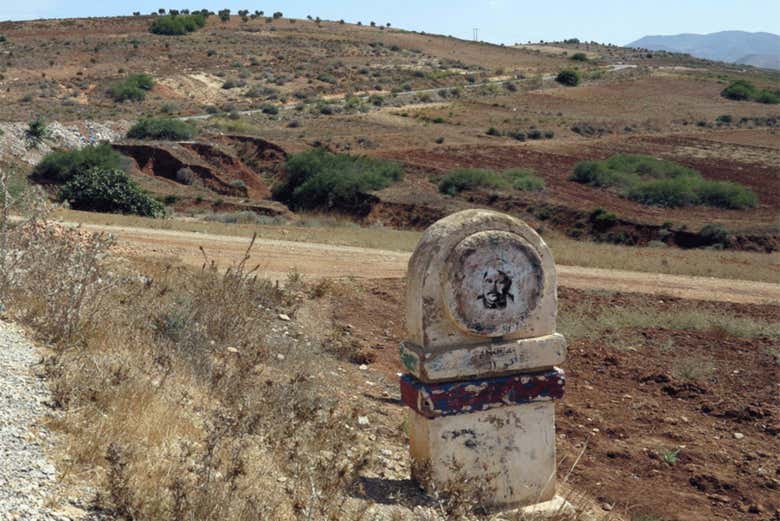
(277, 258)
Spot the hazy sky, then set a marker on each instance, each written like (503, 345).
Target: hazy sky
(507, 21)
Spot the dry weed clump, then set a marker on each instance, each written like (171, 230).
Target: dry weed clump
(173, 401)
(188, 415)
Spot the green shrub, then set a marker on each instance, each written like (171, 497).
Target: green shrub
(742, 90)
(176, 25)
(568, 77)
(111, 191)
(319, 179)
(132, 88)
(649, 166)
(656, 182)
(61, 165)
(668, 193)
(593, 173)
(470, 178)
(271, 110)
(524, 179)
(714, 234)
(602, 219)
(769, 97)
(726, 194)
(37, 130)
(579, 57)
(163, 129)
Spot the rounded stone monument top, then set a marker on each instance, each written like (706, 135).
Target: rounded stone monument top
(476, 276)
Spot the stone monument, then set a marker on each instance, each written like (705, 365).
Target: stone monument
(481, 356)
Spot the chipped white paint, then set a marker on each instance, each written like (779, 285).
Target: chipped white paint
(527, 354)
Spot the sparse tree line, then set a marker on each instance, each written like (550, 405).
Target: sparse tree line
(182, 21)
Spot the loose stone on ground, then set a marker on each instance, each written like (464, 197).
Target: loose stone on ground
(27, 477)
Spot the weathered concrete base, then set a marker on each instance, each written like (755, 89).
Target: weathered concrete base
(508, 452)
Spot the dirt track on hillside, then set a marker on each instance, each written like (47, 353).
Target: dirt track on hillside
(277, 258)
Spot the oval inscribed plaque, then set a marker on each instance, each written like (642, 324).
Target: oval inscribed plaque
(493, 281)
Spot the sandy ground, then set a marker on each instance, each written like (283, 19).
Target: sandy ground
(277, 258)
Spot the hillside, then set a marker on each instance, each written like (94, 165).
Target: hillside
(757, 49)
(259, 90)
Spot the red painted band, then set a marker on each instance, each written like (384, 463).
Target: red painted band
(444, 399)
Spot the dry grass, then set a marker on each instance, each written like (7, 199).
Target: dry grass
(738, 265)
(312, 228)
(582, 320)
(328, 230)
(173, 401)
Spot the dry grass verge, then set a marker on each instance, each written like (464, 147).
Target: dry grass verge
(316, 229)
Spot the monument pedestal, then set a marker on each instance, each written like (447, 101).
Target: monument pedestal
(481, 353)
(498, 433)
(510, 451)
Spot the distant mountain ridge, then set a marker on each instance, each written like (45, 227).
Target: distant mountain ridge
(758, 49)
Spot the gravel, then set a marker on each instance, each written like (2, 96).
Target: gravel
(27, 478)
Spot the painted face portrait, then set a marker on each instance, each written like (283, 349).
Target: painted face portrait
(496, 286)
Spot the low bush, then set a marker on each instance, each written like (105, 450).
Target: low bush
(524, 179)
(742, 90)
(568, 77)
(233, 84)
(726, 194)
(37, 131)
(579, 57)
(739, 90)
(61, 165)
(176, 25)
(668, 193)
(112, 191)
(602, 219)
(768, 97)
(657, 182)
(319, 179)
(714, 234)
(162, 129)
(132, 88)
(471, 178)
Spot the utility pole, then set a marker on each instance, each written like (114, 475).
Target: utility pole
(476, 34)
